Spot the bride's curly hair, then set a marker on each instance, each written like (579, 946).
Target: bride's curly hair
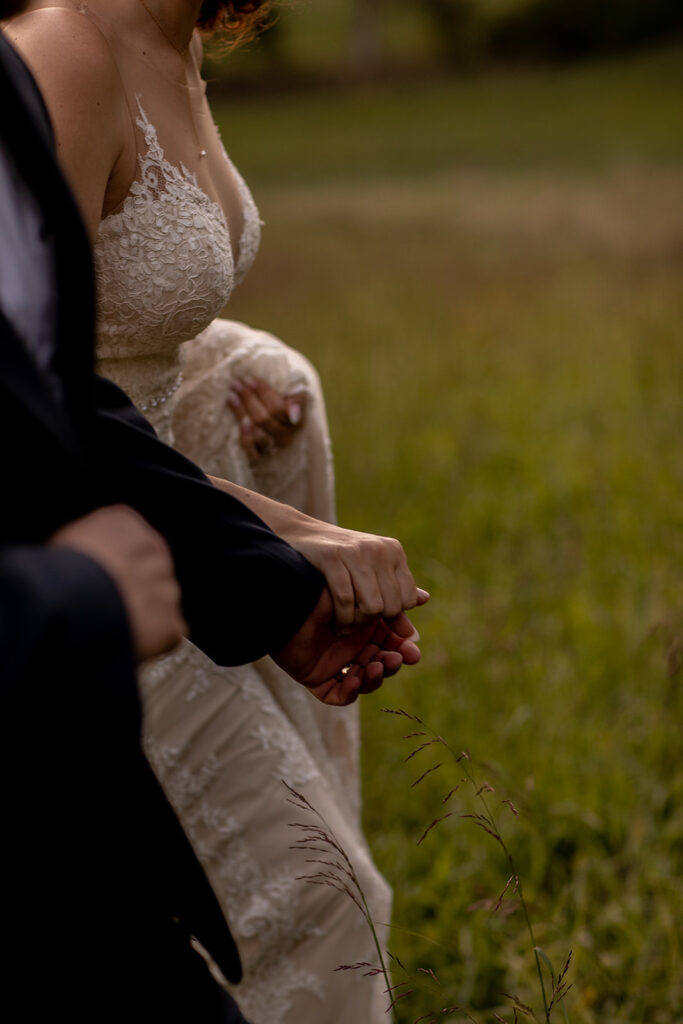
(235, 20)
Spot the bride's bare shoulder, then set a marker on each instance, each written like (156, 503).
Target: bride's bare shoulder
(76, 72)
(68, 54)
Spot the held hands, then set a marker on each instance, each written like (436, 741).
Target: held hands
(336, 669)
(140, 563)
(267, 419)
(367, 575)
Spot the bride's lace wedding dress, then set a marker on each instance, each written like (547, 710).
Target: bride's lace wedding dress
(222, 740)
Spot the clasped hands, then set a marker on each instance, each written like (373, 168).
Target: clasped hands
(335, 667)
(356, 636)
(359, 633)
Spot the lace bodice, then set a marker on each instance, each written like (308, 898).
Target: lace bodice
(164, 261)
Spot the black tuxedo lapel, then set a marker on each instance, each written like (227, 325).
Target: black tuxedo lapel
(26, 131)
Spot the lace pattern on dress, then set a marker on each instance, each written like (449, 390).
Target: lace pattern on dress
(250, 239)
(164, 261)
(221, 740)
(262, 903)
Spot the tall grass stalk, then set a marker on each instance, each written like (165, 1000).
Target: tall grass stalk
(430, 739)
(335, 869)
(337, 873)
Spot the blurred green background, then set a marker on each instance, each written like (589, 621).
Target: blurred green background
(476, 233)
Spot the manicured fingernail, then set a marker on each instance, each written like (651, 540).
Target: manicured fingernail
(250, 382)
(245, 424)
(237, 385)
(414, 637)
(233, 400)
(294, 414)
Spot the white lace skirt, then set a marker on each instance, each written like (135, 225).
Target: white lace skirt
(223, 740)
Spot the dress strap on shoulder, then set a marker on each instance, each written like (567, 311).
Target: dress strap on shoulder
(84, 9)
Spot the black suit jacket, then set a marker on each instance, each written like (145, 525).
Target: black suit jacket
(99, 887)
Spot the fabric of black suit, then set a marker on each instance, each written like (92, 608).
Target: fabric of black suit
(99, 889)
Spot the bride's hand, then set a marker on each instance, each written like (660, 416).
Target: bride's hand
(267, 419)
(367, 575)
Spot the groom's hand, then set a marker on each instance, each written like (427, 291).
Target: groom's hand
(140, 564)
(336, 669)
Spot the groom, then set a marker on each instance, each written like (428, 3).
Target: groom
(104, 908)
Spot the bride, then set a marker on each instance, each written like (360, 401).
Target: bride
(175, 229)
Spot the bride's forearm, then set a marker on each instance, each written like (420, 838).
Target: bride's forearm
(286, 521)
(364, 572)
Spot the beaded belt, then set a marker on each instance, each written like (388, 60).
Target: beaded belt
(164, 397)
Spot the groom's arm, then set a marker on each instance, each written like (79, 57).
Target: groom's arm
(245, 591)
(101, 589)
(59, 610)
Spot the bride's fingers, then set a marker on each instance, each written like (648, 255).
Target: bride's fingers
(384, 559)
(296, 408)
(271, 410)
(410, 595)
(273, 401)
(391, 594)
(248, 440)
(343, 596)
(235, 402)
(287, 409)
(259, 412)
(369, 597)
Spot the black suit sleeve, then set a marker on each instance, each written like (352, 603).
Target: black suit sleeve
(245, 591)
(58, 608)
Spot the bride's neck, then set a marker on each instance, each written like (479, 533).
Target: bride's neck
(176, 19)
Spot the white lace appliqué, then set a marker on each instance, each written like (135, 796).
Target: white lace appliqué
(222, 739)
(250, 239)
(164, 262)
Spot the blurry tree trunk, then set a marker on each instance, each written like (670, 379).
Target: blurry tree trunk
(365, 37)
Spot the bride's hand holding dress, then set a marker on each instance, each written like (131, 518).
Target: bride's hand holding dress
(267, 419)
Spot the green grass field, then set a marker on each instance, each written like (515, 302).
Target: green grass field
(487, 273)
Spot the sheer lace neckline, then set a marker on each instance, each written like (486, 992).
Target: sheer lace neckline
(164, 259)
(171, 174)
(154, 156)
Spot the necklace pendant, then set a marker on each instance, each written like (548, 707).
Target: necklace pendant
(202, 152)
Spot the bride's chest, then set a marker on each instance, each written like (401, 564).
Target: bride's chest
(166, 263)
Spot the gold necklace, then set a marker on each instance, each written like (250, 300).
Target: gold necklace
(183, 54)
